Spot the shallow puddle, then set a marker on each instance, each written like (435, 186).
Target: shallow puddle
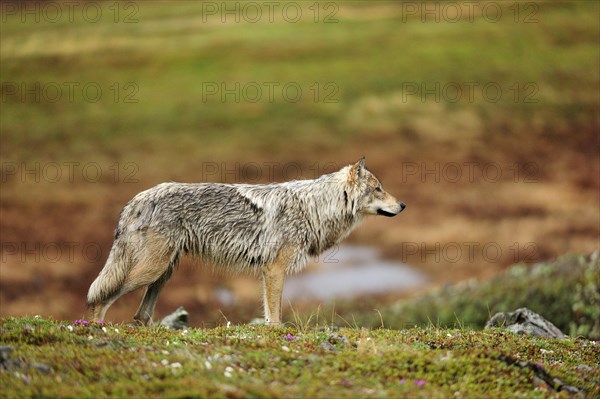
(347, 271)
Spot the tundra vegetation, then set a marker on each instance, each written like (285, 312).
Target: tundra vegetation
(53, 358)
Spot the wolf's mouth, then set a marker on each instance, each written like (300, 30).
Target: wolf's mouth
(385, 213)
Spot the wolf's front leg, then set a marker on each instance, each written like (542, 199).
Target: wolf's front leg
(273, 279)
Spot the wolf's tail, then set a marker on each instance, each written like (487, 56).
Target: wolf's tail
(121, 257)
(112, 276)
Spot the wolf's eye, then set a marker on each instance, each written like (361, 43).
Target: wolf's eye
(378, 189)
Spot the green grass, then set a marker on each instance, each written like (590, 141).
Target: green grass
(257, 361)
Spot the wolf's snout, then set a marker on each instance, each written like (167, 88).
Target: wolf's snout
(392, 212)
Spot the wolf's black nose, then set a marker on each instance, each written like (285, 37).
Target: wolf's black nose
(402, 206)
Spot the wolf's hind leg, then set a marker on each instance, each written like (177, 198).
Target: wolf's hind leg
(97, 310)
(107, 286)
(133, 281)
(146, 308)
(152, 270)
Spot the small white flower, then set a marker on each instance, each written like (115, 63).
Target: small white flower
(37, 316)
(285, 348)
(164, 362)
(104, 329)
(228, 371)
(164, 352)
(228, 324)
(176, 365)
(70, 328)
(207, 365)
(117, 330)
(90, 337)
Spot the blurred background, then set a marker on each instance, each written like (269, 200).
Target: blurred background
(482, 116)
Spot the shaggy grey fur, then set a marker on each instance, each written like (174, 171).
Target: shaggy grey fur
(238, 226)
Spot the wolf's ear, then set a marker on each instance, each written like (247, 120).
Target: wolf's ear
(357, 170)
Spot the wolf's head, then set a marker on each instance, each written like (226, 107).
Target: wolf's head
(369, 194)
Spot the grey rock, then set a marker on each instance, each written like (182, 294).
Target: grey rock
(525, 321)
(44, 368)
(5, 352)
(333, 341)
(585, 368)
(178, 320)
(6, 362)
(336, 339)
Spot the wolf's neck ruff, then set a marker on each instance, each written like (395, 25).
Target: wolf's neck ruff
(325, 210)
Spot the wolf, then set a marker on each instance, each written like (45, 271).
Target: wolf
(268, 229)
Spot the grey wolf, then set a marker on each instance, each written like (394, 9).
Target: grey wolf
(271, 229)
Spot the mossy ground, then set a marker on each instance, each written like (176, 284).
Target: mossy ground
(257, 361)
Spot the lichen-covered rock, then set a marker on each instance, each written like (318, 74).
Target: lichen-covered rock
(525, 321)
(178, 320)
(5, 353)
(334, 341)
